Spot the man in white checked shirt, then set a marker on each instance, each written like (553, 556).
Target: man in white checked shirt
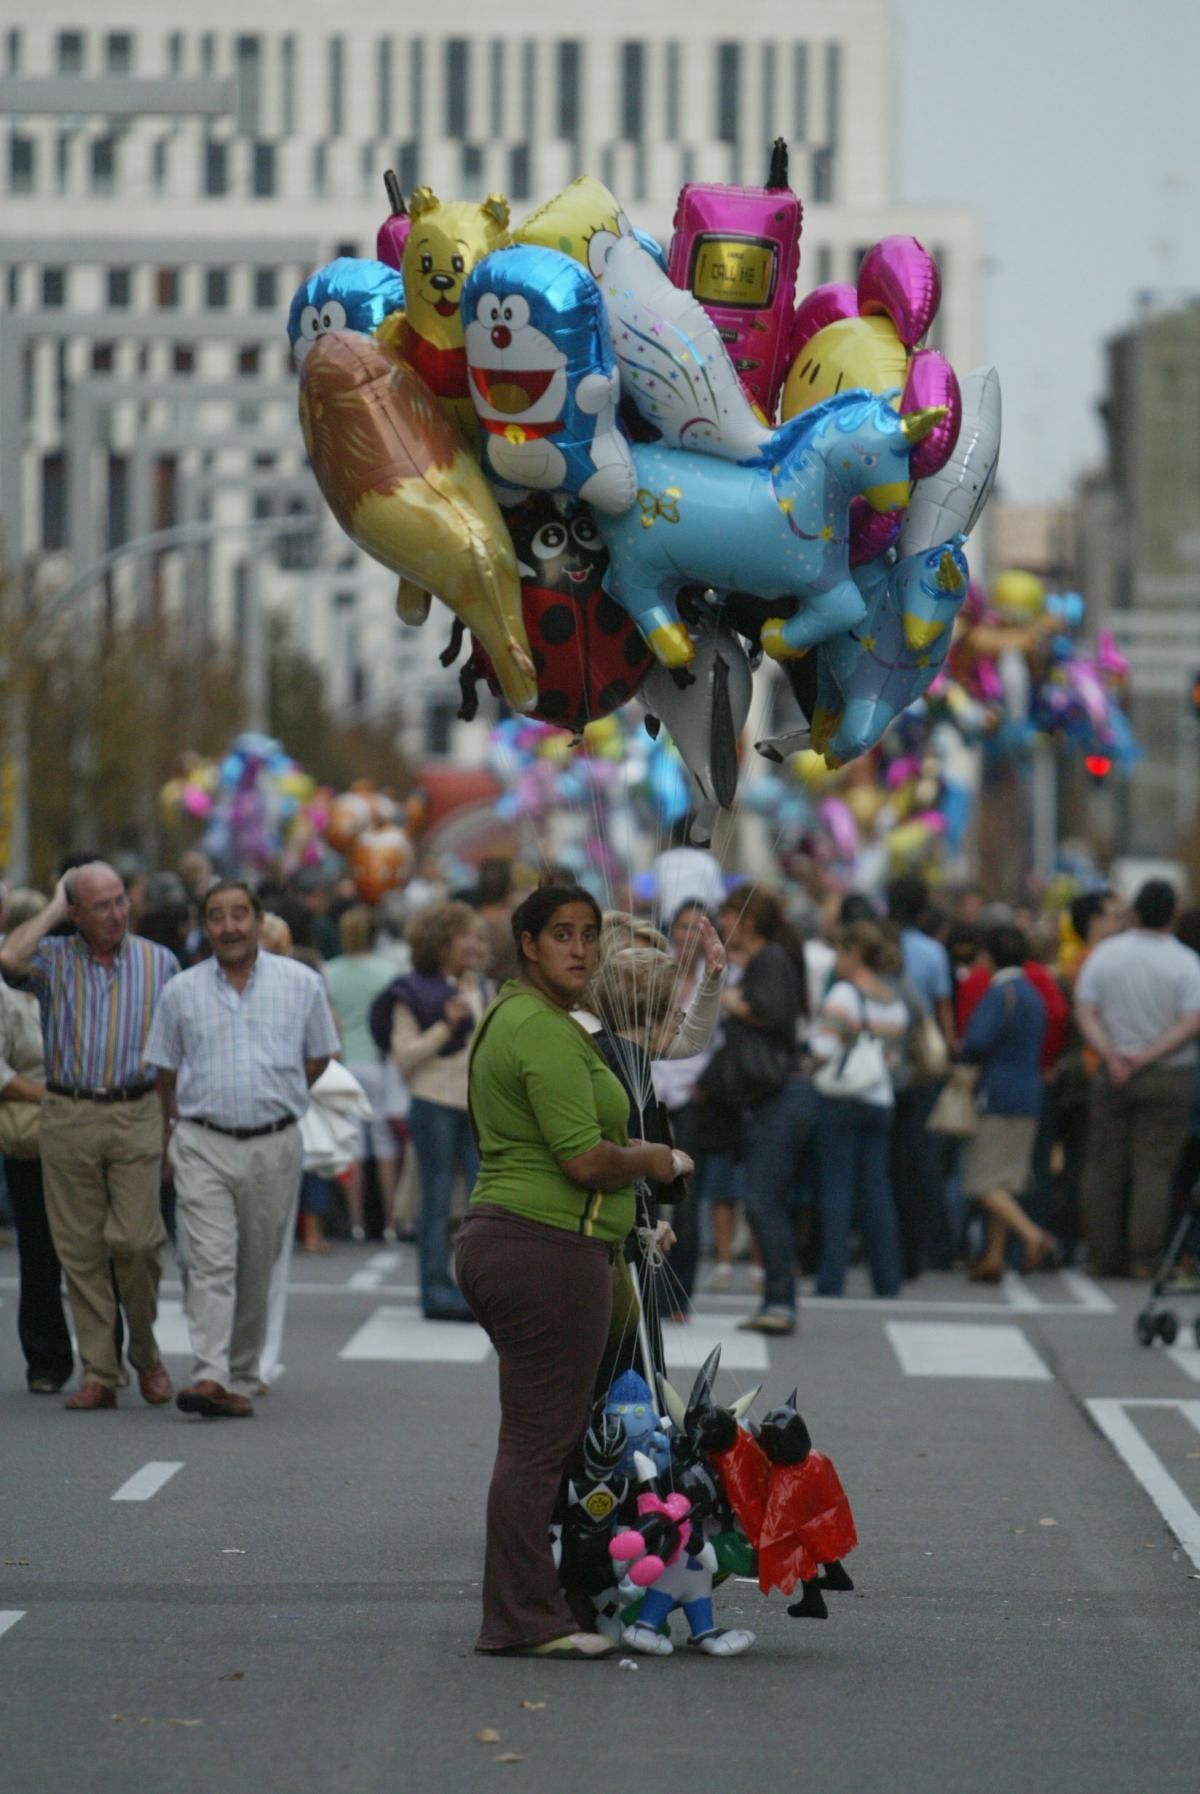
(237, 1046)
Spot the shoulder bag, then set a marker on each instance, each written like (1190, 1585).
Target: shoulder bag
(860, 1064)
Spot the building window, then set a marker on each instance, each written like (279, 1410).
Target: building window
(529, 80)
(69, 52)
(320, 169)
(768, 86)
(118, 53)
(383, 88)
(570, 57)
(208, 53)
(633, 71)
(799, 93)
(266, 289)
(103, 358)
(160, 164)
(120, 287)
(472, 167)
(416, 88)
(103, 161)
(408, 160)
(672, 77)
(496, 80)
(175, 53)
(54, 501)
(833, 92)
(337, 86)
(12, 52)
(287, 84)
(183, 359)
(247, 68)
(729, 68)
(822, 177)
(519, 183)
(824, 265)
(248, 359)
(22, 163)
(216, 168)
(216, 288)
(54, 287)
(456, 88)
(166, 289)
(62, 160)
(262, 173)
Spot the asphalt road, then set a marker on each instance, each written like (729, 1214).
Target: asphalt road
(293, 1607)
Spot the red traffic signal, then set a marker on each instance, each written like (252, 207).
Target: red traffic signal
(1098, 767)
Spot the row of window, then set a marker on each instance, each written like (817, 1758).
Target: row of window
(119, 288)
(508, 70)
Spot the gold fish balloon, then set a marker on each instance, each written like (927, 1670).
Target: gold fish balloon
(403, 485)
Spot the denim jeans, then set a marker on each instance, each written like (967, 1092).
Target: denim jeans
(773, 1136)
(442, 1138)
(852, 1143)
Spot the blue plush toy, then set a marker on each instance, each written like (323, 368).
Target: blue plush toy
(543, 377)
(348, 294)
(629, 1400)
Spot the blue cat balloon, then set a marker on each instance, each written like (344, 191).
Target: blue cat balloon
(348, 294)
(543, 378)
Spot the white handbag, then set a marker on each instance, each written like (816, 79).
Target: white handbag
(857, 1068)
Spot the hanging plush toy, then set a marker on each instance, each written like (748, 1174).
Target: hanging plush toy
(790, 1503)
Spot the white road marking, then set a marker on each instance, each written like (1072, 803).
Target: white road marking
(1018, 1294)
(1087, 1292)
(9, 1617)
(1186, 1356)
(688, 1346)
(399, 1335)
(375, 1272)
(1147, 1466)
(944, 1349)
(146, 1482)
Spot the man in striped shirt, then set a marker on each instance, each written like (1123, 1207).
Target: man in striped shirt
(238, 1040)
(101, 1130)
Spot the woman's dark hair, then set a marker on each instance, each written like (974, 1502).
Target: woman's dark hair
(690, 903)
(532, 916)
(1006, 946)
(766, 914)
(1084, 910)
(857, 908)
(230, 884)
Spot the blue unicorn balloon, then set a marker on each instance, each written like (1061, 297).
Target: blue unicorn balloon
(348, 294)
(867, 676)
(776, 524)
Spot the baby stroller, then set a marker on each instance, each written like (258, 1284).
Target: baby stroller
(1156, 1321)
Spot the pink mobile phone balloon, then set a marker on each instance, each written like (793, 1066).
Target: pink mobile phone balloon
(899, 276)
(391, 238)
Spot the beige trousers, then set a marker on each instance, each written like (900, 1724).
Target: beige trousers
(101, 1168)
(233, 1198)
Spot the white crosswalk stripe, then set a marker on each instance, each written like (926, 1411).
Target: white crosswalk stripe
(401, 1334)
(9, 1617)
(945, 1349)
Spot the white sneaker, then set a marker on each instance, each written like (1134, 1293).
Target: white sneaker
(725, 1641)
(647, 1640)
(389, 1236)
(757, 1276)
(358, 1235)
(721, 1278)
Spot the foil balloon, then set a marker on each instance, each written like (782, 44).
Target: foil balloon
(347, 294)
(737, 250)
(675, 369)
(543, 379)
(705, 711)
(349, 816)
(589, 654)
(932, 381)
(950, 501)
(868, 677)
(583, 221)
(401, 483)
(380, 860)
(444, 244)
(899, 279)
(776, 526)
(393, 233)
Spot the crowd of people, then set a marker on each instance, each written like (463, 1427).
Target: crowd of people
(923, 1081)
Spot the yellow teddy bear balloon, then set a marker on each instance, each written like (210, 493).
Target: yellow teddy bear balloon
(444, 244)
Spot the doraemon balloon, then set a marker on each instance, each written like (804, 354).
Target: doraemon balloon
(348, 294)
(543, 378)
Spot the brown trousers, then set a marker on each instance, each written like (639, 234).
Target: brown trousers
(101, 1164)
(543, 1296)
(1133, 1141)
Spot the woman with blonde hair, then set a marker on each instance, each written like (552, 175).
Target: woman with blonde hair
(862, 1024)
(436, 1010)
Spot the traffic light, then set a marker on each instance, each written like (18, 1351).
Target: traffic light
(1098, 767)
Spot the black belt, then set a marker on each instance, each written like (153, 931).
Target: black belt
(243, 1133)
(120, 1093)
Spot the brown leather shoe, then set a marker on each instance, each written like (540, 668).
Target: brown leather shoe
(89, 1395)
(213, 1402)
(155, 1385)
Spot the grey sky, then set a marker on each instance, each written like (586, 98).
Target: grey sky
(1075, 129)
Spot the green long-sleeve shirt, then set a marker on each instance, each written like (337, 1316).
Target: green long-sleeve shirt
(541, 1093)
